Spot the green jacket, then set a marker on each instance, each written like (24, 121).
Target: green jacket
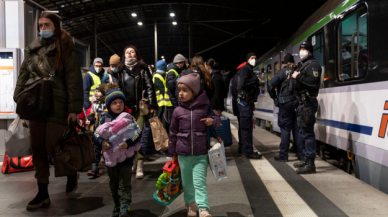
(67, 94)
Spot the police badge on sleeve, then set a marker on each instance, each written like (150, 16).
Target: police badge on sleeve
(315, 72)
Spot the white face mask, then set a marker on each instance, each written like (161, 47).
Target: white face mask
(252, 62)
(98, 70)
(303, 54)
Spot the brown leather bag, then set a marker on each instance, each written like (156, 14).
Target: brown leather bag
(143, 105)
(34, 101)
(74, 152)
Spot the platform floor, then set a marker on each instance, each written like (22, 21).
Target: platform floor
(254, 188)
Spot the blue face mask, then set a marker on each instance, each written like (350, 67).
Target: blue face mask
(113, 69)
(46, 33)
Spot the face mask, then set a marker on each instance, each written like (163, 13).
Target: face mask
(98, 70)
(113, 69)
(252, 62)
(303, 54)
(130, 61)
(48, 33)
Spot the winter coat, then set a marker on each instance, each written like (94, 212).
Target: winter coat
(188, 135)
(159, 84)
(218, 87)
(114, 157)
(171, 84)
(66, 84)
(108, 76)
(88, 83)
(133, 82)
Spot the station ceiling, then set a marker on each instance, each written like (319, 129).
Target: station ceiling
(255, 25)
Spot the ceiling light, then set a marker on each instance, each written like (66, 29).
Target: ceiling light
(174, 23)
(172, 15)
(134, 15)
(139, 23)
(162, 57)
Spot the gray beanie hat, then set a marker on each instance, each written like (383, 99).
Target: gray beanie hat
(179, 58)
(98, 59)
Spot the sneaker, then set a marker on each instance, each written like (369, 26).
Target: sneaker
(72, 184)
(41, 199)
(204, 213)
(124, 210)
(280, 159)
(116, 211)
(95, 171)
(254, 156)
(192, 209)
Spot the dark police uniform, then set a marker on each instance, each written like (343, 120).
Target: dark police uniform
(286, 115)
(307, 89)
(245, 83)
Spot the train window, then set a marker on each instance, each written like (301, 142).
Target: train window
(318, 48)
(276, 67)
(263, 81)
(353, 46)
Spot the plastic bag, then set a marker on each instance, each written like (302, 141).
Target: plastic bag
(217, 161)
(17, 139)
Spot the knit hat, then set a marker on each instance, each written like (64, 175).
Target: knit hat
(192, 81)
(308, 46)
(98, 60)
(161, 65)
(250, 54)
(112, 95)
(288, 59)
(179, 58)
(114, 60)
(101, 88)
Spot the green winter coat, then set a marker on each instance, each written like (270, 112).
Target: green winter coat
(67, 89)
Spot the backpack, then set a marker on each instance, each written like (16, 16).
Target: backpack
(17, 164)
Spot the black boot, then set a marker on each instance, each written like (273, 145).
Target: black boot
(308, 168)
(41, 198)
(72, 184)
(116, 210)
(254, 156)
(301, 163)
(124, 210)
(95, 171)
(280, 159)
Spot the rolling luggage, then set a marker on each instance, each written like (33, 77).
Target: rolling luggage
(224, 132)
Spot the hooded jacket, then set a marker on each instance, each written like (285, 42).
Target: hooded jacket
(66, 84)
(188, 135)
(219, 89)
(88, 83)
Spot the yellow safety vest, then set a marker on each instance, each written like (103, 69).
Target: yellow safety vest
(162, 100)
(96, 81)
(172, 70)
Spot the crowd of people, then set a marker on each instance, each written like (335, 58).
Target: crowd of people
(187, 97)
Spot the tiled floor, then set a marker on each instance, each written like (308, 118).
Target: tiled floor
(253, 188)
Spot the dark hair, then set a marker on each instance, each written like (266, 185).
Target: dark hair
(198, 62)
(61, 37)
(212, 63)
(140, 61)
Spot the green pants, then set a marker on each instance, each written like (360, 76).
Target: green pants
(194, 172)
(120, 184)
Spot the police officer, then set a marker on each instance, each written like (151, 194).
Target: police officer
(284, 100)
(245, 84)
(307, 77)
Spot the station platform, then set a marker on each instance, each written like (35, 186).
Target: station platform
(253, 188)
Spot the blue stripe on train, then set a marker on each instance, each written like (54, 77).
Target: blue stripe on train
(264, 110)
(347, 126)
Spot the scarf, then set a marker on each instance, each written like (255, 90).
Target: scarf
(131, 62)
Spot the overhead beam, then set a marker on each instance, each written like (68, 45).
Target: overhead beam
(232, 38)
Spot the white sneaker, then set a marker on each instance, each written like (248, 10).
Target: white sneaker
(139, 170)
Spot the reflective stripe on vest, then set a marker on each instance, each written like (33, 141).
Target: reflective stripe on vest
(96, 81)
(162, 100)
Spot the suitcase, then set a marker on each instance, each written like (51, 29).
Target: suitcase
(224, 132)
(17, 164)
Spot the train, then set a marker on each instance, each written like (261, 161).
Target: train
(350, 43)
